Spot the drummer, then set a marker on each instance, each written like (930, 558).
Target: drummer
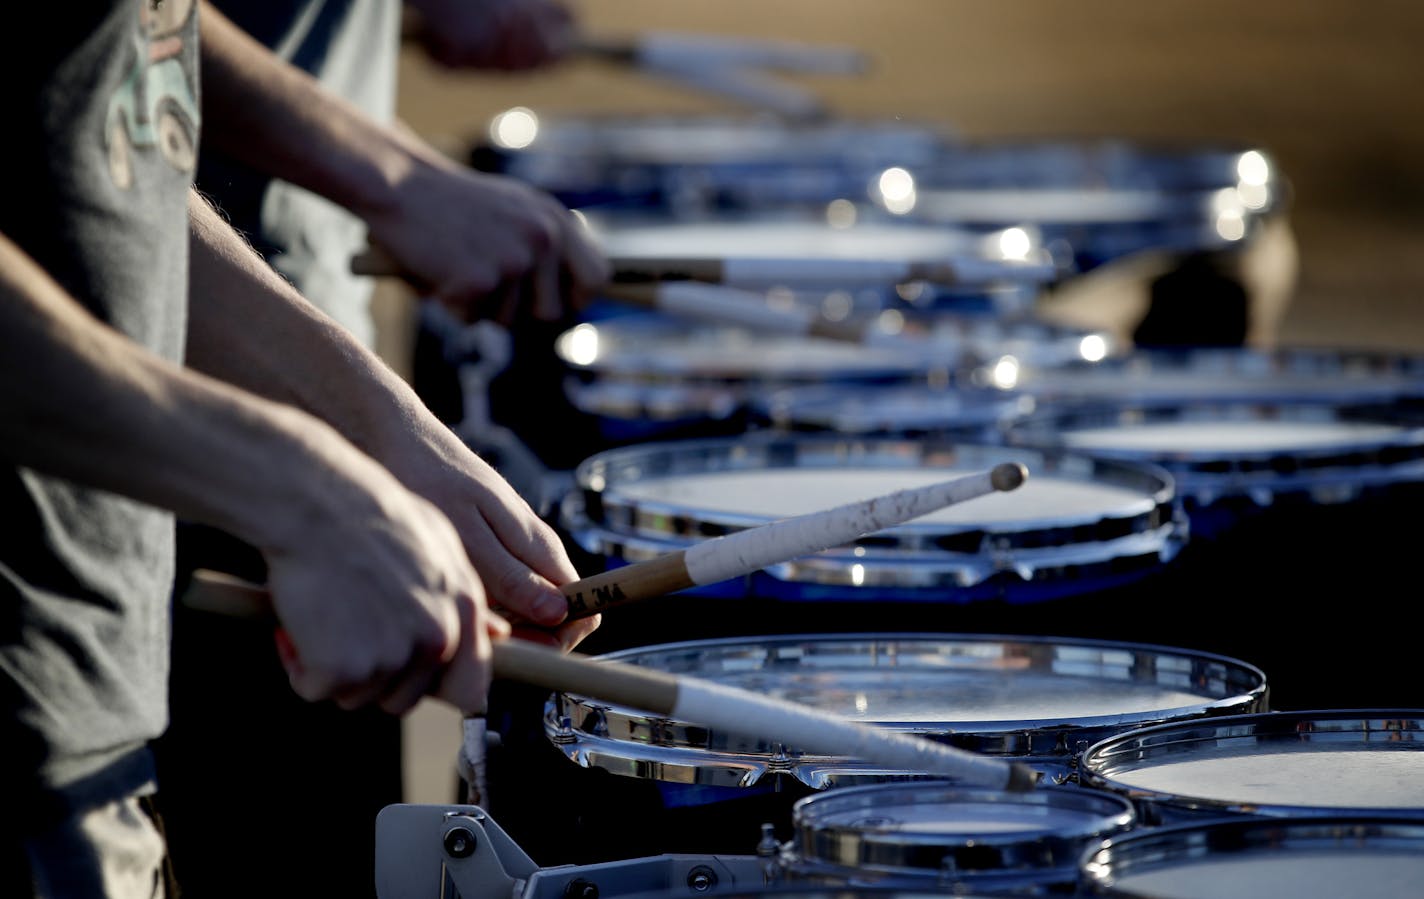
(156, 366)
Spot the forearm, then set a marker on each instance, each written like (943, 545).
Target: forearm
(248, 327)
(274, 117)
(81, 401)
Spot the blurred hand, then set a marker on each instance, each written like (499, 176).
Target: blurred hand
(505, 35)
(379, 605)
(486, 245)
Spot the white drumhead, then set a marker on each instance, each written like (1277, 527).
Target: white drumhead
(784, 492)
(999, 693)
(1309, 776)
(1230, 436)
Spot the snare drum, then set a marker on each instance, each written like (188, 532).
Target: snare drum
(1101, 200)
(1161, 376)
(696, 164)
(937, 835)
(1063, 554)
(640, 784)
(1275, 764)
(842, 248)
(1310, 858)
(652, 376)
(1293, 511)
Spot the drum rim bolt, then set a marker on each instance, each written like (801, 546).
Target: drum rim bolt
(579, 888)
(460, 842)
(701, 879)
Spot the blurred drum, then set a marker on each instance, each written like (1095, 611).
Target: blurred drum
(1232, 457)
(1306, 858)
(1165, 376)
(660, 785)
(1099, 200)
(650, 376)
(843, 247)
(1291, 508)
(696, 164)
(1072, 544)
(936, 835)
(1188, 242)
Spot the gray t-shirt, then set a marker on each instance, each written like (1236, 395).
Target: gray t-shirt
(351, 47)
(102, 127)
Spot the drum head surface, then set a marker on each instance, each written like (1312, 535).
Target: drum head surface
(1320, 858)
(1275, 763)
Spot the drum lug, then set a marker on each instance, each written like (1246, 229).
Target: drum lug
(564, 734)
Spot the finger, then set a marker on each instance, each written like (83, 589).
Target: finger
(510, 299)
(538, 635)
(464, 682)
(586, 262)
(548, 291)
(576, 631)
(524, 592)
(506, 532)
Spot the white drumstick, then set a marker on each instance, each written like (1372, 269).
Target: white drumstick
(722, 304)
(742, 552)
(696, 701)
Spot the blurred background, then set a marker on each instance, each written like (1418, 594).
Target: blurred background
(1329, 89)
(1325, 87)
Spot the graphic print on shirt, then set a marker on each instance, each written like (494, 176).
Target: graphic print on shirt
(156, 105)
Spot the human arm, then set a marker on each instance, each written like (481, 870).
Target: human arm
(370, 581)
(482, 244)
(250, 328)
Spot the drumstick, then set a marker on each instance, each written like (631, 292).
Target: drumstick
(732, 306)
(731, 555)
(742, 552)
(657, 50)
(689, 699)
(762, 271)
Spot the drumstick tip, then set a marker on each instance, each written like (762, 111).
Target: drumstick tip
(1008, 475)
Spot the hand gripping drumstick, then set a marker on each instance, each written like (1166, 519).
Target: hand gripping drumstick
(742, 552)
(731, 555)
(686, 699)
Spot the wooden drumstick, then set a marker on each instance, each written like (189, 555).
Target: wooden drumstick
(761, 271)
(688, 699)
(731, 555)
(742, 552)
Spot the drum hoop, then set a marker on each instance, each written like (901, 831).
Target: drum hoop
(1102, 764)
(598, 480)
(621, 737)
(828, 845)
